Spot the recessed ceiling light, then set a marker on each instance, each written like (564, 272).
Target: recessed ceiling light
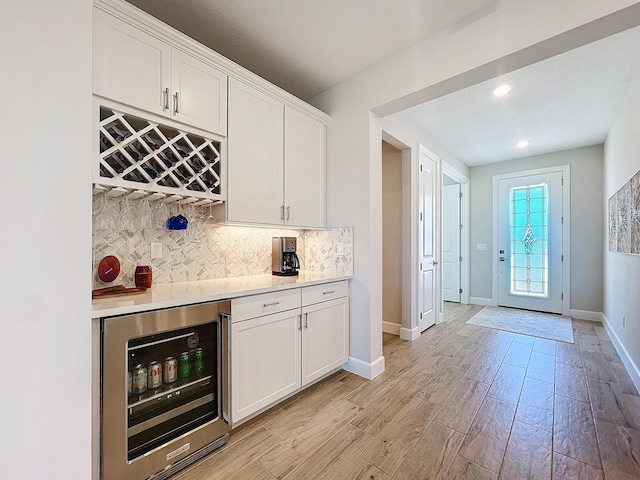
(502, 90)
(523, 143)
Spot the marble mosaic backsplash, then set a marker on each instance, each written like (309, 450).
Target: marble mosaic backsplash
(205, 250)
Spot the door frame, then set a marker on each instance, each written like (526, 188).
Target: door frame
(566, 230)
(411, 302)
(465, 218)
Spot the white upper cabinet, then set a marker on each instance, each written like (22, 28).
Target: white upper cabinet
(276, 173)
(136, 68)
(255, 146)
(304, 170)
(199, 93)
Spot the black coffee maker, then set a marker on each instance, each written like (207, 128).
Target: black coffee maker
(284, 260)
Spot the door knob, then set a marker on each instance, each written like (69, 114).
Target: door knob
(434, 262)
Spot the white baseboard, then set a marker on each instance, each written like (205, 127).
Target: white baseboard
(388, 327)
(587, 315)
(409, 333)
(487, 302)
(632, 368)
(365, 369)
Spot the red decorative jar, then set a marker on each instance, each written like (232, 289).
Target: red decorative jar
(143, 276)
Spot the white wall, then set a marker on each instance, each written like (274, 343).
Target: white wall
(391, 234)
(622, 271)
(514, 35)
(45, 191)
(586, 221)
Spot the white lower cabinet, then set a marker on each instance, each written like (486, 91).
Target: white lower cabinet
(276, 354)
(265, 361)
(325, 338)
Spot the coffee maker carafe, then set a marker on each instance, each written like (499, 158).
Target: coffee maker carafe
(284, 260)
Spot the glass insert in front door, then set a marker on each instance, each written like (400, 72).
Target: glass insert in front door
(528, 230)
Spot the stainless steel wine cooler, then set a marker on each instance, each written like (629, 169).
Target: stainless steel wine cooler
(164, 390)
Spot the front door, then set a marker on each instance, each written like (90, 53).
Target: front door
(429, 284)
(530, 242)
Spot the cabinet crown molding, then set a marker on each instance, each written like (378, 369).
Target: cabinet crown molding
(151, 25)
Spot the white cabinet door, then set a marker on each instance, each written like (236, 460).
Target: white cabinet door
(325, 338)
(304, 167)
(255, 150)
(133, 67)
(265, 361)
(130, 66)
(199, 93)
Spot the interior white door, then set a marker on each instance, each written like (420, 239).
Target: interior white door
(429, 285)
(451, 243)
(530, 242)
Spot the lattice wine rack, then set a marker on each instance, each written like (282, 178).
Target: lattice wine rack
(138, 154)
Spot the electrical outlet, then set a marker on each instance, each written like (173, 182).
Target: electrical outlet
(340, 248)
(156, 250)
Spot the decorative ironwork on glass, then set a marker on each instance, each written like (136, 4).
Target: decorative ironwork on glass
(528, 240)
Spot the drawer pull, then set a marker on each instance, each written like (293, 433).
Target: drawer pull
(265, 305)
(329, 292)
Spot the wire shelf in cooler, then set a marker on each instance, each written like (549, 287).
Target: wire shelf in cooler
(166, 391)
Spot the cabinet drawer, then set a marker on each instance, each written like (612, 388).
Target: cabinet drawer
(254, 306)
(324, 292)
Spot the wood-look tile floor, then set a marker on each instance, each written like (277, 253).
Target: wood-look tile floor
(460, 402)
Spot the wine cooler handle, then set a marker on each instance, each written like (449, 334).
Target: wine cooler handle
(226, 380)
(175, 103)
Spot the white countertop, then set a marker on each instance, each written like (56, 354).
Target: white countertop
(186, 293)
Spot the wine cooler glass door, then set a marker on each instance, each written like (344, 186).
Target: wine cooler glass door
(162, 388)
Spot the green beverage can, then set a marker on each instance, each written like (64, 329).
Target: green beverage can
(185, 366)
(198, 364)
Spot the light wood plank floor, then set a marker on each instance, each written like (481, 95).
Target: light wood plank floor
(461, 402)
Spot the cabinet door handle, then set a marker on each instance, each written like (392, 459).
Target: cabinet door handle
(300, 323)
(329, 292)
(166, 99)
(306, 320)
(265, 305)
(175, 102)
(282, 212)
(288, 212)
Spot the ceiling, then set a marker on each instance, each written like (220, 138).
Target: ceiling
(306, 47)
(564, 102)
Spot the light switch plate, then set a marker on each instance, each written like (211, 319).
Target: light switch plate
(340, 249)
